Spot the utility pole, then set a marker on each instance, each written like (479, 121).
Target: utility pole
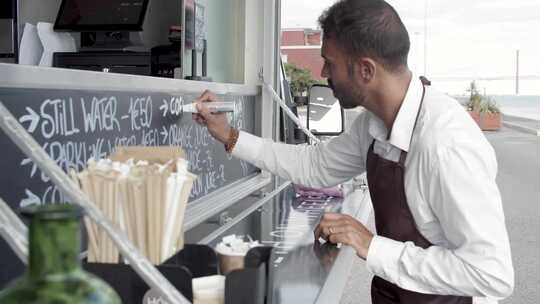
(517, 72)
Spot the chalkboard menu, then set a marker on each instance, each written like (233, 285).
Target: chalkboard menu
(75, 125)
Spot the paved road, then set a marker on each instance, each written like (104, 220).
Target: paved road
(518, 156)
(529, 123)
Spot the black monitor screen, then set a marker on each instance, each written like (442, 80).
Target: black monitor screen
(6, 9)
(101, 15)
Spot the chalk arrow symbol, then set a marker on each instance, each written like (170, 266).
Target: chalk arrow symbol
(164, 107)
(165, 134)
(27, 161)
(31, 199)
(33, 117)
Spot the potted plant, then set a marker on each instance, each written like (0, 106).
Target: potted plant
(483, 110)
(300, 80)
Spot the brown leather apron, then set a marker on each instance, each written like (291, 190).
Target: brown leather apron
(394, 220)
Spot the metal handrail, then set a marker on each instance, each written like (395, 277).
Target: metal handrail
(14, 231)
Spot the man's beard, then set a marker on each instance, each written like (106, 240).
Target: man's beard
(349, 98)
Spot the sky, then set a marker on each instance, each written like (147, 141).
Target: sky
(467, 39)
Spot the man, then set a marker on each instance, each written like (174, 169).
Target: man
(441, 236)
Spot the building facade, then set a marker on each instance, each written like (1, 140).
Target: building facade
(302, 47)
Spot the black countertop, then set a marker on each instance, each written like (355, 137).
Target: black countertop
(302, 270)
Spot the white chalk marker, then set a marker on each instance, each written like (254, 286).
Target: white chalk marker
(214, 107)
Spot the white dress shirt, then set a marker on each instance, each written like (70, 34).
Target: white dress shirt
(450, 187)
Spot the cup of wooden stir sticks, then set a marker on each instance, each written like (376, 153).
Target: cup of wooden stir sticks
(144, 191)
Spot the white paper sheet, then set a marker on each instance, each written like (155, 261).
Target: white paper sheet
(31, 49)
(53, 42)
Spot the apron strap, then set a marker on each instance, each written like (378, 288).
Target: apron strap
(425, 83)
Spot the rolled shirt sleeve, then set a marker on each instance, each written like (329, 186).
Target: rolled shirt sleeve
(459, 184)
(323, 165)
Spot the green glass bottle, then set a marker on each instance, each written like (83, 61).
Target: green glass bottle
(54, 273)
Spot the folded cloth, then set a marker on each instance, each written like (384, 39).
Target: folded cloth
(318, 192)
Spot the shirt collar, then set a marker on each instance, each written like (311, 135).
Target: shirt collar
(404, 124)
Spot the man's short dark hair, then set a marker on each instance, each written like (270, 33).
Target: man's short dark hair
(370, 28)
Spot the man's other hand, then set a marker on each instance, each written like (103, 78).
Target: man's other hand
(342, 228)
